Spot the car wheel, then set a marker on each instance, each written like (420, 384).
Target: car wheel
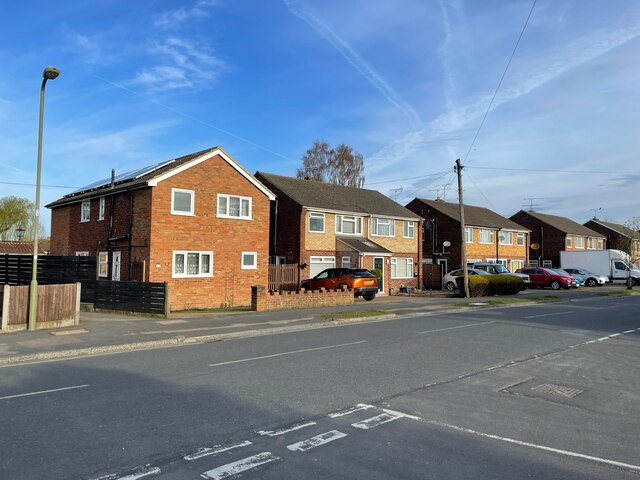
(451, 286)
(635, 281)
(591, 282)
(369, 296)
(555, 285)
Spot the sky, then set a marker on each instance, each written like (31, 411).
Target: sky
(410, 84)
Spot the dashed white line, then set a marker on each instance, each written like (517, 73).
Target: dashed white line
(141, 473)
(614, 335)
(205, 452)
(549, 314)
(539, 447)
(453, 328)
(358, 407)
(629, 331)
(292, 428)
(376, 421)
(287, 353)
(42, 392)
(316, 441)
(240, 466)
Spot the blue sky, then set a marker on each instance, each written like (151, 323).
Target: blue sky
(404, 82)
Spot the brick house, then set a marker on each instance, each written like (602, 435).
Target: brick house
(551, 234)
(321, 225)
(490, 237)
(618, 236)
(199, 222)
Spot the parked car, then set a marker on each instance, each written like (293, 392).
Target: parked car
(499, 269)
(590, 279)
(576, 281)
(362, 281)
(450, 278)
(545, 277)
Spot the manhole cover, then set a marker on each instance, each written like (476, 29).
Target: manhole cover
(559, 390)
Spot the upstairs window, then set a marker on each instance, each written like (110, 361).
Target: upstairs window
(468, 234)
(486, 236)
(506, 238)
(520, 240)
(316, 222)
(231, 206)
(409, 229)
(182, 202)
(85, 211)
(348, 225)
(383, 227)
(101, 209)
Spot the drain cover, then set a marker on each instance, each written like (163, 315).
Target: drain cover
(559, 390)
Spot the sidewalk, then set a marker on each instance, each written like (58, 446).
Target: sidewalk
(101, 333)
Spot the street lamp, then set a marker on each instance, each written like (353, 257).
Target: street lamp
(49, 73)
(20, 232)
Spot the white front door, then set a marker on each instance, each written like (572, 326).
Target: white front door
(115, 266)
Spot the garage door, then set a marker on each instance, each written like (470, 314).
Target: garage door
(320, 263)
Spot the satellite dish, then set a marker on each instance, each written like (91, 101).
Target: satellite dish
(446, 243)
(535, 246)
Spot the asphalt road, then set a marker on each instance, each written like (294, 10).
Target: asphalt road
(542, 391)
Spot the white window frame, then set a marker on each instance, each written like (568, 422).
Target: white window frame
(569, 242)
(101, 205)
(591, 243)
(357, 224)
(82, 254)
(85, 218)
(579, 242)
(491, 234)
(377, 221)
(191, 211)
(409, 229)
(253, 265)
(103, 261)
(228, 198)
(507, 238)
(184, 274)
(408, 262)
(317, 215)
(520, 241)
(346, 260)
(468, 235)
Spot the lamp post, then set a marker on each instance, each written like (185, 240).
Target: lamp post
(49, 73)
(20, 232)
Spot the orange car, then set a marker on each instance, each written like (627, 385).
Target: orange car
(363, 282)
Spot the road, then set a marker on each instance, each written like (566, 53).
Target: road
(541, 391)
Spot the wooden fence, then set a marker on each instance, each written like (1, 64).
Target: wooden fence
(139, 297)
(16, 269)
(284, 277)
(432, 276)
(58, 306)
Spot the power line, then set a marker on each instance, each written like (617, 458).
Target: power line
(554, 171)
(406, 178)
(33, 185)
(481, 192)
(501, 79)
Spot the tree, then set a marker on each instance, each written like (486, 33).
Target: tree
(629, 242)
(14, 212)
(342, 165)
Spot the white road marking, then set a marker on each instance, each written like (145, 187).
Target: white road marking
(376, 421)
(144, 472)
(602, 339)
(240, 466)
(459, 326)
(286, 353)
(549, 314)
(614, 335)
(360, 406)
(293, 428)
(316, 441)
(629, 331)
(205, 452)
(43, 392)
(538, 447)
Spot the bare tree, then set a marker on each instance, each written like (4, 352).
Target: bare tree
(342, 165)
(15, 212)
(629, 242)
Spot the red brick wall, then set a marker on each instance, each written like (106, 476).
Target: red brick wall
(226, 238)
(262, 300)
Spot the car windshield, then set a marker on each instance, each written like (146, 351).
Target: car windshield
(361, 272)
(500, 268)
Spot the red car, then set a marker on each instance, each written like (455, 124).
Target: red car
(544, 277)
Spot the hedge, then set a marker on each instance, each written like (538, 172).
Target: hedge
(489, 285)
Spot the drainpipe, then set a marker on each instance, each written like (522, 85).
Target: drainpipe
(275, 232)
(130, 235)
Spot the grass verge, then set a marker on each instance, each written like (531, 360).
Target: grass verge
(617, 293)
(346, 315)
(510, 301)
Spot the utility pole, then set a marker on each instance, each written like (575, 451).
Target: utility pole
(463, 247)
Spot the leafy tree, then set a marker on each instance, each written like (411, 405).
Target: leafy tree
(342, 165)
(15, 212)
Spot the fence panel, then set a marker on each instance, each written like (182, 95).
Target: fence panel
(16, 269)
(284, 277)
(141, 297)
(432, 276)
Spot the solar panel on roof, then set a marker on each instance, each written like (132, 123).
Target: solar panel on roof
(123, 177)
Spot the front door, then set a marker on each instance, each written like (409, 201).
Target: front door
(378, 264)
(444, 269)
(115, 266)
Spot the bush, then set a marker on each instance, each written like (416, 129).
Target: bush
(489, 285)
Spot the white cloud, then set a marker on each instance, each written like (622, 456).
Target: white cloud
(170, 18)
